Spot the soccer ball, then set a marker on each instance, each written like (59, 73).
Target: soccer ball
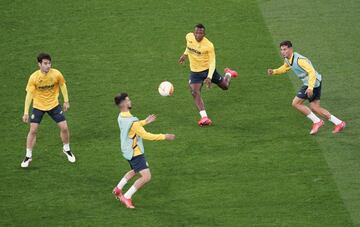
(166, 88)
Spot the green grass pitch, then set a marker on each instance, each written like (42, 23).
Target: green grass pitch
(256, 166)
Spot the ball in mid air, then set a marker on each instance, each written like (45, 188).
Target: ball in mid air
(166, 89)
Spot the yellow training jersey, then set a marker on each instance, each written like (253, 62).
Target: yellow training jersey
(138, 129)
(45, 88)
(201, 54)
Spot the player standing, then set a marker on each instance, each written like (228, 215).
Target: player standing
(201, 55)
(311, 89)
(43, 90)
(132, 133)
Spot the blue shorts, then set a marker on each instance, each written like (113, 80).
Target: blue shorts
(55, 113)
(138, 163)
(199, 77)
(316, 93)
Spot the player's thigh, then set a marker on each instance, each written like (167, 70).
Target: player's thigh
(146, 174)
(219, 80)
(315, 103)
(138, 163)
(298, 101)
(198, 77)
(195, 88)
(316, 95)
(57, 114)
(301, 94)
(36, 116)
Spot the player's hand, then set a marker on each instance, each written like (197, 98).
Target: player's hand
(151, 118)
(25, 118)
(270, 72)
(66, 106)
(309, 92)
(182, 59)
(207, 82)
(169, 136)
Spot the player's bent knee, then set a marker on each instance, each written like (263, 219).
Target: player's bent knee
(33, 131)
(64, 129)
(147, 177)
(295, 104)
(195, 93)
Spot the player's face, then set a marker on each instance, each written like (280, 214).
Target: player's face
(128, 102)
(286, 51)
(199, 34)
(45, 65)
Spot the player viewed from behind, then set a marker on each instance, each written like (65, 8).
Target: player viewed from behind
(43, 90)
(132, 133)
(311, 89)
(201, 54)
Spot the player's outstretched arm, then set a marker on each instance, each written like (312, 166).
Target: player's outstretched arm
(281, 70)
(140, 131)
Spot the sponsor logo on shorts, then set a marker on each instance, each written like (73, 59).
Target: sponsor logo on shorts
(61, 112)
(32, 116)
(147, 164)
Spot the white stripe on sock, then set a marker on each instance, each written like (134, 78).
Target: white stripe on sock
(313, 117)
(130, 192)
(122, 183)
(66, 147)
(28, 152)
(335, 120)
(203, 113)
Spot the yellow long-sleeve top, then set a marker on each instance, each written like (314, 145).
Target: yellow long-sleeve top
(201, 54)
(303, 64)
(43, 90)
(137, 128)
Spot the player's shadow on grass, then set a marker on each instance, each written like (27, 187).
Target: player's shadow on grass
(32, 168)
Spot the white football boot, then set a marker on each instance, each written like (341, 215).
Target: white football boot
(26, 162)
(70, 156)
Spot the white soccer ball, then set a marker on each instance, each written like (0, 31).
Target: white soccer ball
(166, 89)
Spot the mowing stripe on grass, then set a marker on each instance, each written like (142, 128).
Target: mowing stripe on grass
(323, 31)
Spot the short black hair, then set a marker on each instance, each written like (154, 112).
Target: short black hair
(43, 56)
(120, 98)
(200, 26)
(286, 43)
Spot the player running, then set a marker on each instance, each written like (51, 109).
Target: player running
(43, 90)
(132, 133)
(311, 89)
(201, 55)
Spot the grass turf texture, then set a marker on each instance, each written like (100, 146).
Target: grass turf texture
(256, 166)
